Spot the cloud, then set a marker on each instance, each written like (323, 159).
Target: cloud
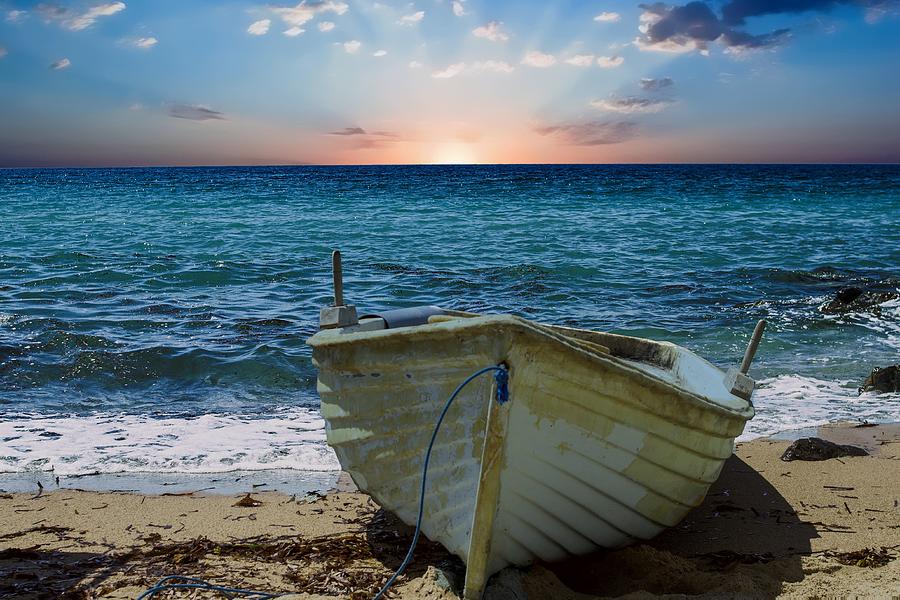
(349, 131)
(194, 112)
(492, 66)
(580, 60)
(78, 21)
(326, 26)
(379, 53)
(260, 27)
(451, 71)
(694, 26)
(144, 43)
(295, 17)
(736, 12)
(610, 62)
(365, 140)
(608, 17)
(352, 47)
(412, 19)
(3, 52)
(136, 107)
(591, 133)
(293, 31)
(458, 9)
(414, 64)
(654, 85)
(59, 65)
(539, 60)
(493, 31)
(631, 104)
(16, 16)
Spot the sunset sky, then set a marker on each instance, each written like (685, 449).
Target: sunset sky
(180, 82)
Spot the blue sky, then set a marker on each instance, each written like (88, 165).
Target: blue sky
(346, 82)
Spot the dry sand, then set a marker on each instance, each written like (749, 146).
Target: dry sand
(767, 529)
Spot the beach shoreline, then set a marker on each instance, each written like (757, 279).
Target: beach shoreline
(767, 528)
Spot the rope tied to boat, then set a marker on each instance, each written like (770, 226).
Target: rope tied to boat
(501, 394)
(501, 378)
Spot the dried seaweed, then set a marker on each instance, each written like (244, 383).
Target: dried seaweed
(867, 557)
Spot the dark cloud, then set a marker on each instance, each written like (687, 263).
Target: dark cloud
(349, 131)
(591, 133)
(654, 85)
(736, 12)
(695, 26)
(364, 140)
(194, 112)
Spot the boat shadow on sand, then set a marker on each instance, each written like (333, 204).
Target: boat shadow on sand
(745, 540)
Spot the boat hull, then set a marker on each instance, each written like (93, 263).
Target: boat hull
(593, 450)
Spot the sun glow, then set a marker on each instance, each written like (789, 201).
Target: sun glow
(453, 153)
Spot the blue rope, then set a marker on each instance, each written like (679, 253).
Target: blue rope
(501, 376)
(198, 584)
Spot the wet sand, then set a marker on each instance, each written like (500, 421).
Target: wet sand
(767, 529)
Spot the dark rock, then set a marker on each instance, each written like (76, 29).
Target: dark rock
(854, 299)
(819, 449)
(882, 380)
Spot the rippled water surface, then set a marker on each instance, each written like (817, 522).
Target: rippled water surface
(154, 319)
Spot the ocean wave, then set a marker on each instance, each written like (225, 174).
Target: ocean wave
(213, 443)
(795, 401)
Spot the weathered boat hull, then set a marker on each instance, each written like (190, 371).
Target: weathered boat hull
(593, 450)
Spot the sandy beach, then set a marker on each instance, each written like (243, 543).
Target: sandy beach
(767, 529)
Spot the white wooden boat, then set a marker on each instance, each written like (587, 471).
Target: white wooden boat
(606, 439)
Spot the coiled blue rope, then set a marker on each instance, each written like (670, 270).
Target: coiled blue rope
(501, 377)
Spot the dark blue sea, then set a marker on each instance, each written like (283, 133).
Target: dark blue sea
(153, 320)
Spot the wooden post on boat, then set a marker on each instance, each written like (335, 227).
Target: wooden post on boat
(339, 315)
(736, 380)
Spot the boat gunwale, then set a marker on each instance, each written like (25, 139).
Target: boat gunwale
(336, 338)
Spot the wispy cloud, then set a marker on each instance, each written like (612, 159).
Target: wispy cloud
(325, 26)
(379, 53)
(580, 60)
(414, 64)
(295, 17)
(459, 8)
(366, 140)
(352, 47)
(631, 104)
(610, 62)
(539, 60)
(78, 21)
(591, 133)
(608, 17)
(260, 27)
(412, 19)
(16, 16)
(3, 52)
(59, 65)
(450, 71)
(144, 43)
(490, 66)
(492, 31)
(654, 85)
(195, 112)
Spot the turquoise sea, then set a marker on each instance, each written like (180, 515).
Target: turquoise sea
(153, 320)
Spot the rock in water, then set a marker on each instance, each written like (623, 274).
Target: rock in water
(882, 380)
(854, 299)
(819, 449)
